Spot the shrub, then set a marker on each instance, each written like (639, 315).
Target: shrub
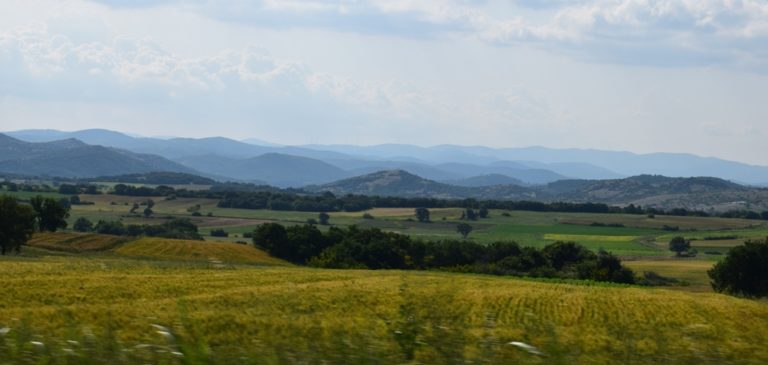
(82, 224)
(219, 233)
(744, 270)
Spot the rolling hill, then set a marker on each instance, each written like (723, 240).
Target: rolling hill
(271, 168)
(701, 193)
(73, 158)
(404, 184)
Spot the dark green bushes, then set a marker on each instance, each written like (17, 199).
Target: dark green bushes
(175, 228)
(375, 249)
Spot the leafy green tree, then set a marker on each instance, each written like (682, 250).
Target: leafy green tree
(271, 237)
(219, 233)
(422, 214)
(17, 223)
(148, 212)
(50, 213)
(679, 245)
(744, 271)
(470, 214)
(607, 267)
(563, 254)
(74, 200)
(483, 212)
(82, 224)
(323, 218)
(464, 229)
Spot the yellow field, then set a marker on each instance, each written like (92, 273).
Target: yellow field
(588, 238)
(694, 272)
(161, 248)
(297, 315)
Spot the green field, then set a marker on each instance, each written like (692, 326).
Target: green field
(638, 238)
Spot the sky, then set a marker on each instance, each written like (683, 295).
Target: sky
(633, 75)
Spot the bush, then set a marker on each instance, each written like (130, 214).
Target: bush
(219, 233)
(744, 271)
(367, 216)
(82, 224)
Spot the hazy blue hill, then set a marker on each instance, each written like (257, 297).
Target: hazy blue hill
(574, 170)
(72, 158)
(272, 168)
(562, 160)
(393, 183)
(485, 180)
(171, 148)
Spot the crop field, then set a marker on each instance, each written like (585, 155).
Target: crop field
(639, 238)
(111, 309)
(693, 273)
(161, 248)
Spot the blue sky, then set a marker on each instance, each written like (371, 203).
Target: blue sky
(637, 75)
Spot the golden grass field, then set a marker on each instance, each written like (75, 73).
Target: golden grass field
(163, 248)
(109, 303)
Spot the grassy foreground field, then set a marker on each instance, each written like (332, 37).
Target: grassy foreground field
(112, 309)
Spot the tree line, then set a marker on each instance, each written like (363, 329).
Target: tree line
(18, 221)
(249, 196)
(372, 248)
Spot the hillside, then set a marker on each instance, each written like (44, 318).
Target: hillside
(73, 158)
(271, 168)
(404, 184)
(485, 180)
(158, 178)
(700, 193)
(183, 250)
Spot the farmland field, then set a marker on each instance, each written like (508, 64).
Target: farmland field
(639, 238)
(124, 310)
(72, 297)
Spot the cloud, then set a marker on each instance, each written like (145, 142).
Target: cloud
(643, 32)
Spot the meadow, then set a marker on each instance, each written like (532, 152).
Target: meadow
(639, 239)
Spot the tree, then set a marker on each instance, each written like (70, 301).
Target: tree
(562, 254)
(17, 223)
(270, 237)
(323, 217)
(422, 214)
(147, 212)
(483, 212)
(82, 224)
(470, 214)
(50, 214)
(219, 233)
(464, 229)
(744, 271)
(74, 200)
(679, 245)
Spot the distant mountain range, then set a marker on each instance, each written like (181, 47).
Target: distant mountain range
(73, 158)
(295, 166)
